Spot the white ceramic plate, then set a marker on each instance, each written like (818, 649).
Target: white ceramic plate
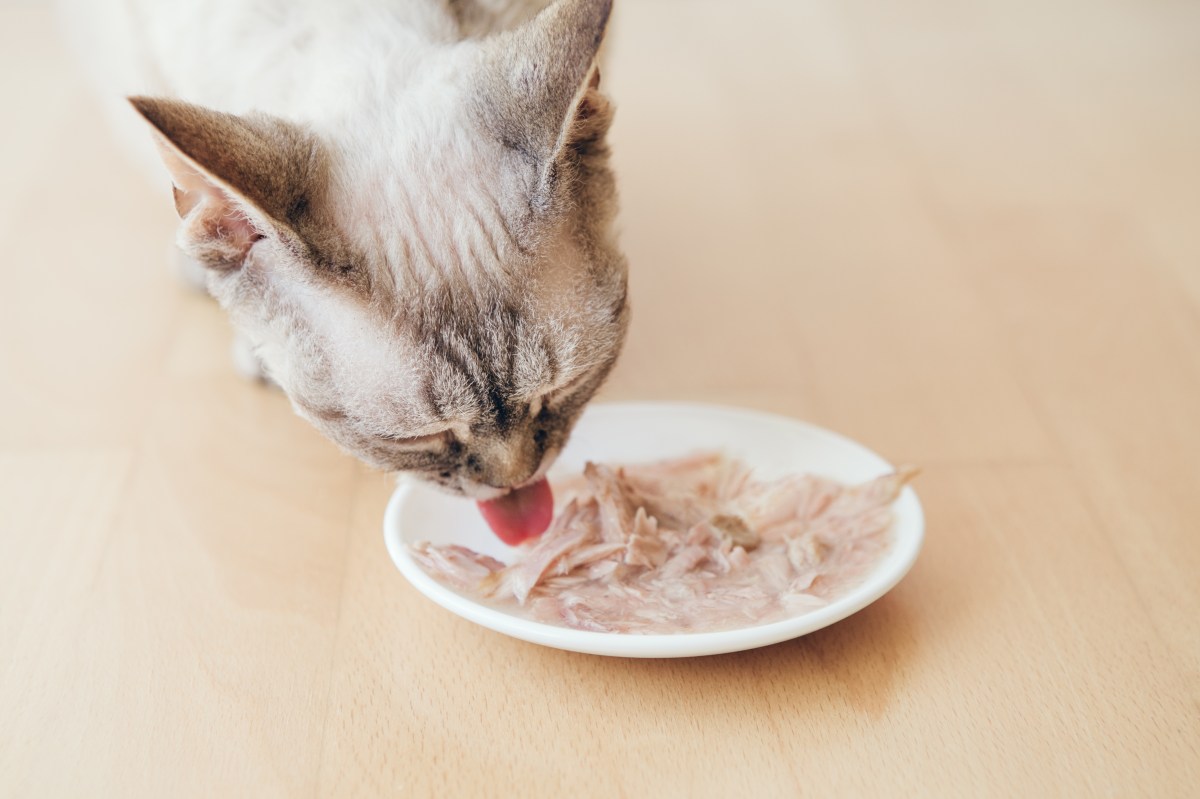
(625, 433)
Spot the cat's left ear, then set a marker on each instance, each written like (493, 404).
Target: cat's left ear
(235, 179)
(541, 89)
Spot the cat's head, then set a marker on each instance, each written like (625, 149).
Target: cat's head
(427, 266)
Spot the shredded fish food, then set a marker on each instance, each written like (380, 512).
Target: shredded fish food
(695, 544)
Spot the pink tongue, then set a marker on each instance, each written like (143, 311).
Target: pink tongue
(521, 513)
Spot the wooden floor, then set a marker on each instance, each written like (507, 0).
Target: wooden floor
(968, 237)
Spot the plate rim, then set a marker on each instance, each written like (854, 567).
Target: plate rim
(875, 585)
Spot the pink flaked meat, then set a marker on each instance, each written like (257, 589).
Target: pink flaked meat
(686, 545)
(459, 566)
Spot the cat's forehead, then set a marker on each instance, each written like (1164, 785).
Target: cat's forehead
(441, 198)
(442, 356)
(426, 127)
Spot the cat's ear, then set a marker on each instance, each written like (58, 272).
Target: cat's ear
(236, 179)
(542, 86)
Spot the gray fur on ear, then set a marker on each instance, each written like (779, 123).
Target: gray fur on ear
(235, 178)
(541, 86)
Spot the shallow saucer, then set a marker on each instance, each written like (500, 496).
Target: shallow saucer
(632, 432)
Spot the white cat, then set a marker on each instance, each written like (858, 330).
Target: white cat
(405, 207)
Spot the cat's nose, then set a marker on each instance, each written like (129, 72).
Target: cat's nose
(514, 476)
(512, 464)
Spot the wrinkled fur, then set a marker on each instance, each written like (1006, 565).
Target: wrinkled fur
(405, 208)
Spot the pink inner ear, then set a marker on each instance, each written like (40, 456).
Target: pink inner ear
(216, 230)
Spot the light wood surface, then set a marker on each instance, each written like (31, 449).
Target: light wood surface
(966, 236)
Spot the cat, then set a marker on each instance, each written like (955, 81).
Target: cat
(406, 208)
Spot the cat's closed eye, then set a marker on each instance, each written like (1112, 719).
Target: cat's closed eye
(429, 441)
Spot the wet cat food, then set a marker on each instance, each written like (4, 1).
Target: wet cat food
(686, 545)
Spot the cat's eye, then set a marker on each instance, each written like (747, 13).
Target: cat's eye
(418, 442)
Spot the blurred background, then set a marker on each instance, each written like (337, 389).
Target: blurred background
(967, 235)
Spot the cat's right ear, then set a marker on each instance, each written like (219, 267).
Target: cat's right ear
(236, 179)
(541, 90)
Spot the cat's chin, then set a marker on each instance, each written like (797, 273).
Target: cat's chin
(479, 493)
(475, 493)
